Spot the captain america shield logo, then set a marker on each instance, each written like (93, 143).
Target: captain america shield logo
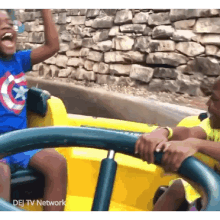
(13, 91)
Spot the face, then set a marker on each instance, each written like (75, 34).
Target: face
(7, 36)
(214, 106)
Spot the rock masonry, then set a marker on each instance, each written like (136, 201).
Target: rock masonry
(171, 50)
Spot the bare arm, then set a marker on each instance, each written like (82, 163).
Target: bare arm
(182, 133)
(209, 148)
(51, 45)
(176, 152)
(156, 140)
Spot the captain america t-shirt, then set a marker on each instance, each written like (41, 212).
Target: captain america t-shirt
(13, 91)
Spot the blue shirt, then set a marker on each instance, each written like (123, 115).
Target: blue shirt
(13, 91)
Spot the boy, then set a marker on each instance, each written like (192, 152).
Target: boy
(184, 142)
(13, 88)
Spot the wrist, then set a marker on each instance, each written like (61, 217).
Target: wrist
(46, 12)
(194, 142)
(166, 131)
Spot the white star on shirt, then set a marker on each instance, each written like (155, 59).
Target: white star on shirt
(20, 92)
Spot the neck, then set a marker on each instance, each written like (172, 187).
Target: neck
(5, 57)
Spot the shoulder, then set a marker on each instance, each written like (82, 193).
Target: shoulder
(22, 53)
(24, 58)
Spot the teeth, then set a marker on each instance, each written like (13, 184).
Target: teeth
(7, 35)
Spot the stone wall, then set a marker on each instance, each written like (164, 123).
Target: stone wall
(171, 50)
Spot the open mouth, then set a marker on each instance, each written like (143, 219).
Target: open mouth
(7, 40)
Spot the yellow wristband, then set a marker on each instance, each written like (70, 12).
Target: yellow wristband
(170, 130)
